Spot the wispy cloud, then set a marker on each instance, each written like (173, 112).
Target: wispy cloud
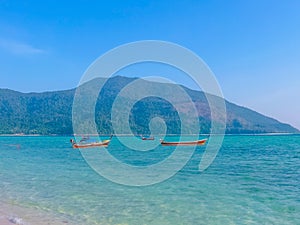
(19, 48)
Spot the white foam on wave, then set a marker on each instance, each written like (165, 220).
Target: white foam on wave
(16, 220)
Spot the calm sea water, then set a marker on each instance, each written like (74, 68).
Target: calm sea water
(253, 180)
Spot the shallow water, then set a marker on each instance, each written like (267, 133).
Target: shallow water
(253, 180)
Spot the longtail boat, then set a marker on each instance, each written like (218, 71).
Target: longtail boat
(148, 138)
(183, 143)
(90, 144)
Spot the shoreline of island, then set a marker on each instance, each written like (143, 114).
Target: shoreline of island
(131, 135)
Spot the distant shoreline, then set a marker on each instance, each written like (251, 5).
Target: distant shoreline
(130, 135)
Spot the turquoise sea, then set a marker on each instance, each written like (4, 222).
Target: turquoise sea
(253, 180)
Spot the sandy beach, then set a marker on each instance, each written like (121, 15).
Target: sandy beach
(18, 215)
(4, 220)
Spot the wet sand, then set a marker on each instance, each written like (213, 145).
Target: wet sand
(17, 215)
(5, 221)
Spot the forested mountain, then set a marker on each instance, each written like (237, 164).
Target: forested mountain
(51, 112)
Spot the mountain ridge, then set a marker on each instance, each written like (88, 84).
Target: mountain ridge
(50, 112)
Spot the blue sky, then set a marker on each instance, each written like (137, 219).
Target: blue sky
(253, 47)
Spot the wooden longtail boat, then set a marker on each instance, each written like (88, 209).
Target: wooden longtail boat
(148, 138)
(183, 143)
(90, 144)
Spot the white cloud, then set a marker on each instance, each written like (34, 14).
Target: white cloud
(19, 48)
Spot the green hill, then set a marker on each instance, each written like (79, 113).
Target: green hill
(51, 112)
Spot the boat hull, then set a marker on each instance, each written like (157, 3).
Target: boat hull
(148, 138)
(184, 143)
(92, 145)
